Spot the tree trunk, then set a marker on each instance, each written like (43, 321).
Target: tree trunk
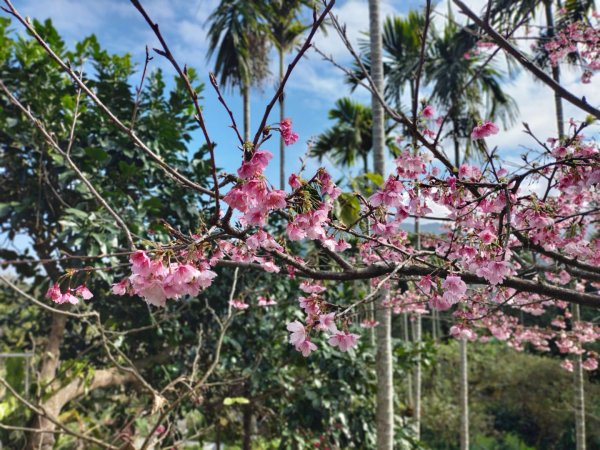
(580, 443)
(560, 120)
(417, 331)
(417, 327)
(247, 417)
(464, 396)
(409, 379)
(385, 387)
(246, 100)
(281, 117)
(49, 365)
(456, 147)
(49, 361)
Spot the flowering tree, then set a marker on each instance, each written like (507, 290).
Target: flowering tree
(507, 252)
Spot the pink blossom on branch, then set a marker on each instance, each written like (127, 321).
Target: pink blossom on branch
(239, 304)
(343, 340)
(454, 288)
(428, 111)
(289, 137)
(484, 130)
(299, 339)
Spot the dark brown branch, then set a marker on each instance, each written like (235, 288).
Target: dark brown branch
(307, 44)
(137, 141)
(166, 52)
(526, 63)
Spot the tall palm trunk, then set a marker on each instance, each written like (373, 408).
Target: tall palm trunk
(560, 119)
(463, 358)
(281, 117)
(580, 443)
(385, 387)
(417, 330)
(246, 106)
(464, 396)
(417, 327)
(579, 391)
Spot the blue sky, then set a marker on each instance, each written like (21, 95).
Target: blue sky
(313, 88)
(311, 92)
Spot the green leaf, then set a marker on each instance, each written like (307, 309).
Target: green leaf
(347, 208)
(6, 207)
(228, 401)
(77, 213)
(375, 178)
(96, 153)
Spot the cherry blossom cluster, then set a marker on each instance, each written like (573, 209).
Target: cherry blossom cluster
(289, 137)
(494, 219)
(71, 296)
(315, 307)
(581, 39)
(156, 280)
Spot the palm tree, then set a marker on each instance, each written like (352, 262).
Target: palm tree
(462, 81)
(284, 28)
(384, 415)
(575, 10)
(350, 139)
(238, 37)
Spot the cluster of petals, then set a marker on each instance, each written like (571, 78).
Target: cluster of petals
(581, 38)
(289, 137)
(428, 111)
(266, 301)
(252, 196)
(312, 224)
(454, 288)
(343, 340)
(239, 304)
(410, 166)
(462, 332)
(319, 319)
(390, 195)
(299, 339)
(71, 296)
(156, 282)
(484, 130)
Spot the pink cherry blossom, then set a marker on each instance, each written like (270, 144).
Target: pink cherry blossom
(590, 364)
(454, 288)
(343, 340)
(54, 293)
(327, 323)
(295, 181)
(368, 323)
(428, 111)
(312, 288)
(567, 364)
(121, 287)
(239, 304)
(462, 332)
(266, 301)
(289, 137)
(306, 347)
(83, 292)
(298, 332)
(484, 130)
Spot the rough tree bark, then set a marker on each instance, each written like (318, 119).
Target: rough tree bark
(385, 387)
(246, 106)
(464, 396)
(580, 443)
(281, 117)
